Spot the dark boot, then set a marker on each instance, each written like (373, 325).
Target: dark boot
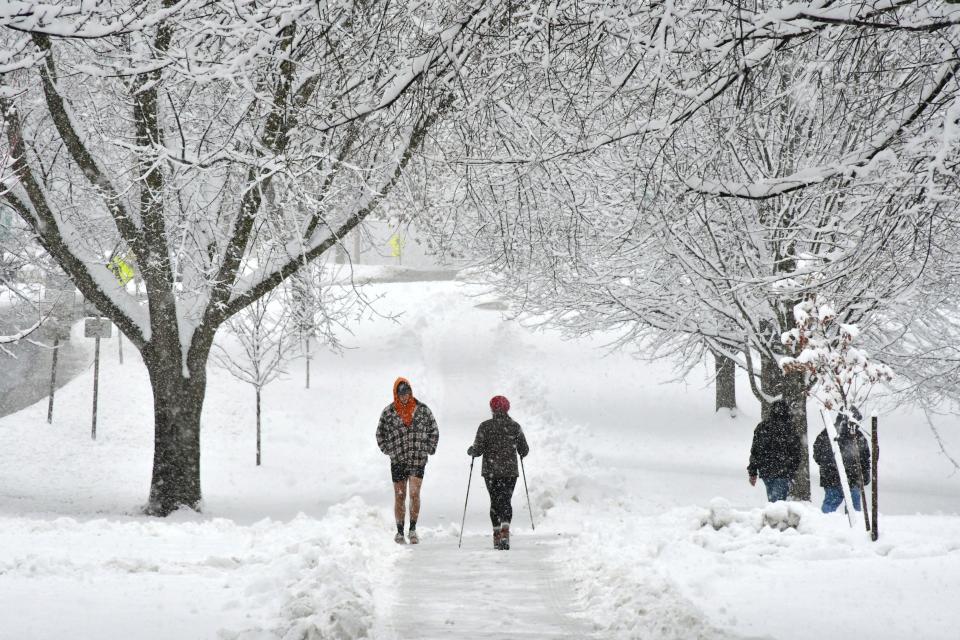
(496, 538)
(505, 536)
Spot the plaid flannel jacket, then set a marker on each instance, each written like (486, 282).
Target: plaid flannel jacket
(408, 445)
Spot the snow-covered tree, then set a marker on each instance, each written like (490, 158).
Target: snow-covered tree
(698, 160)
(159, 127)
(838, 375)
(320, 301)
(266, 343)
(26, 304)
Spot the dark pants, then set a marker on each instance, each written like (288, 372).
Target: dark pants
(501, 491)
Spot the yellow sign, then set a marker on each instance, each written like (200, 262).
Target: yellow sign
(121, 270)
(396, 244)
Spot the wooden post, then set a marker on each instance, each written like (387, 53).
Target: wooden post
(863, 504)
(53, 378)
(96, 380)
(874, 440)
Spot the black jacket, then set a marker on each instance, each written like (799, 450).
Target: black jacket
(850, 445)
(499, 440)
(776, 451)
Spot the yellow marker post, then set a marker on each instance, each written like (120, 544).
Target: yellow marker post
(396, 246)
(121, 270)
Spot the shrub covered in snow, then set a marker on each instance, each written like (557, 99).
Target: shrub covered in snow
(838, 375)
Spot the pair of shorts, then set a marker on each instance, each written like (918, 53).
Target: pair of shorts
(400, 471)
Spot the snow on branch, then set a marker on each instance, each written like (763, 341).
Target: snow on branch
(87, 19)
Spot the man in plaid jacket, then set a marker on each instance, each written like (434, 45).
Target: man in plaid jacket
(408, 434)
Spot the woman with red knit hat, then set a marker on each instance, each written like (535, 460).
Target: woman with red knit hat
(498, 441)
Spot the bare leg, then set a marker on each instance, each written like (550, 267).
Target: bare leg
(415, 484)
(400, 499)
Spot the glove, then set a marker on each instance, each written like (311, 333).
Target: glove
(753, 480)
(471, 452)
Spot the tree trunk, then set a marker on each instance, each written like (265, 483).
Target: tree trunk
(177, 405)
(771, 383)
(795, 393)
(726, 377)
(258, 426)
(791, 388)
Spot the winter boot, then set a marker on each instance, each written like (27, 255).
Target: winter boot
(414, 538)
(505, 536)
(496, 538)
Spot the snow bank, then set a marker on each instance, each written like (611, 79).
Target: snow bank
(321, 578)
(192, 577)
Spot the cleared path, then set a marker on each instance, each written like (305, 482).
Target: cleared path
(478, 593)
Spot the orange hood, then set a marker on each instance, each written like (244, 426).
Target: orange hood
(405, 411)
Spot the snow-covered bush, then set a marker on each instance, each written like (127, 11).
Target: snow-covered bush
(838, 375)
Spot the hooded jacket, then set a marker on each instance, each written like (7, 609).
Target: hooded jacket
(777, 449)
(407, 444)
(499, 440)
(851, 444)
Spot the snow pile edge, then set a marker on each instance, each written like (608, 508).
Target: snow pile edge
(324, 580)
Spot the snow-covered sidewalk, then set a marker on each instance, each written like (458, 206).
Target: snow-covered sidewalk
(476, 593)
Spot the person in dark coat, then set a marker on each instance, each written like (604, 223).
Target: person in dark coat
(407, 432)
(776, 453)
(498, 441)
(856, 461)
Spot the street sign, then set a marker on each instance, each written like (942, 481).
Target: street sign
(97, 328)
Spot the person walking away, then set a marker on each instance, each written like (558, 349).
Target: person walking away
(776, 452)
(499, 440)
(855, 453)
(408, 434)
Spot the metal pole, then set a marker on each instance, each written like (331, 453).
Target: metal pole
(529, 508)
(308, 361)
(53, 378)
(874, 533)
(120, 343)
(464, 520)
(96, 380)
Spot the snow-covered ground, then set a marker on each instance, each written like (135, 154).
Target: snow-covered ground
(646, 525)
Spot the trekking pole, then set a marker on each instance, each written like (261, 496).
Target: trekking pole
(464, 521)
(873, 471)
(529, 508)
